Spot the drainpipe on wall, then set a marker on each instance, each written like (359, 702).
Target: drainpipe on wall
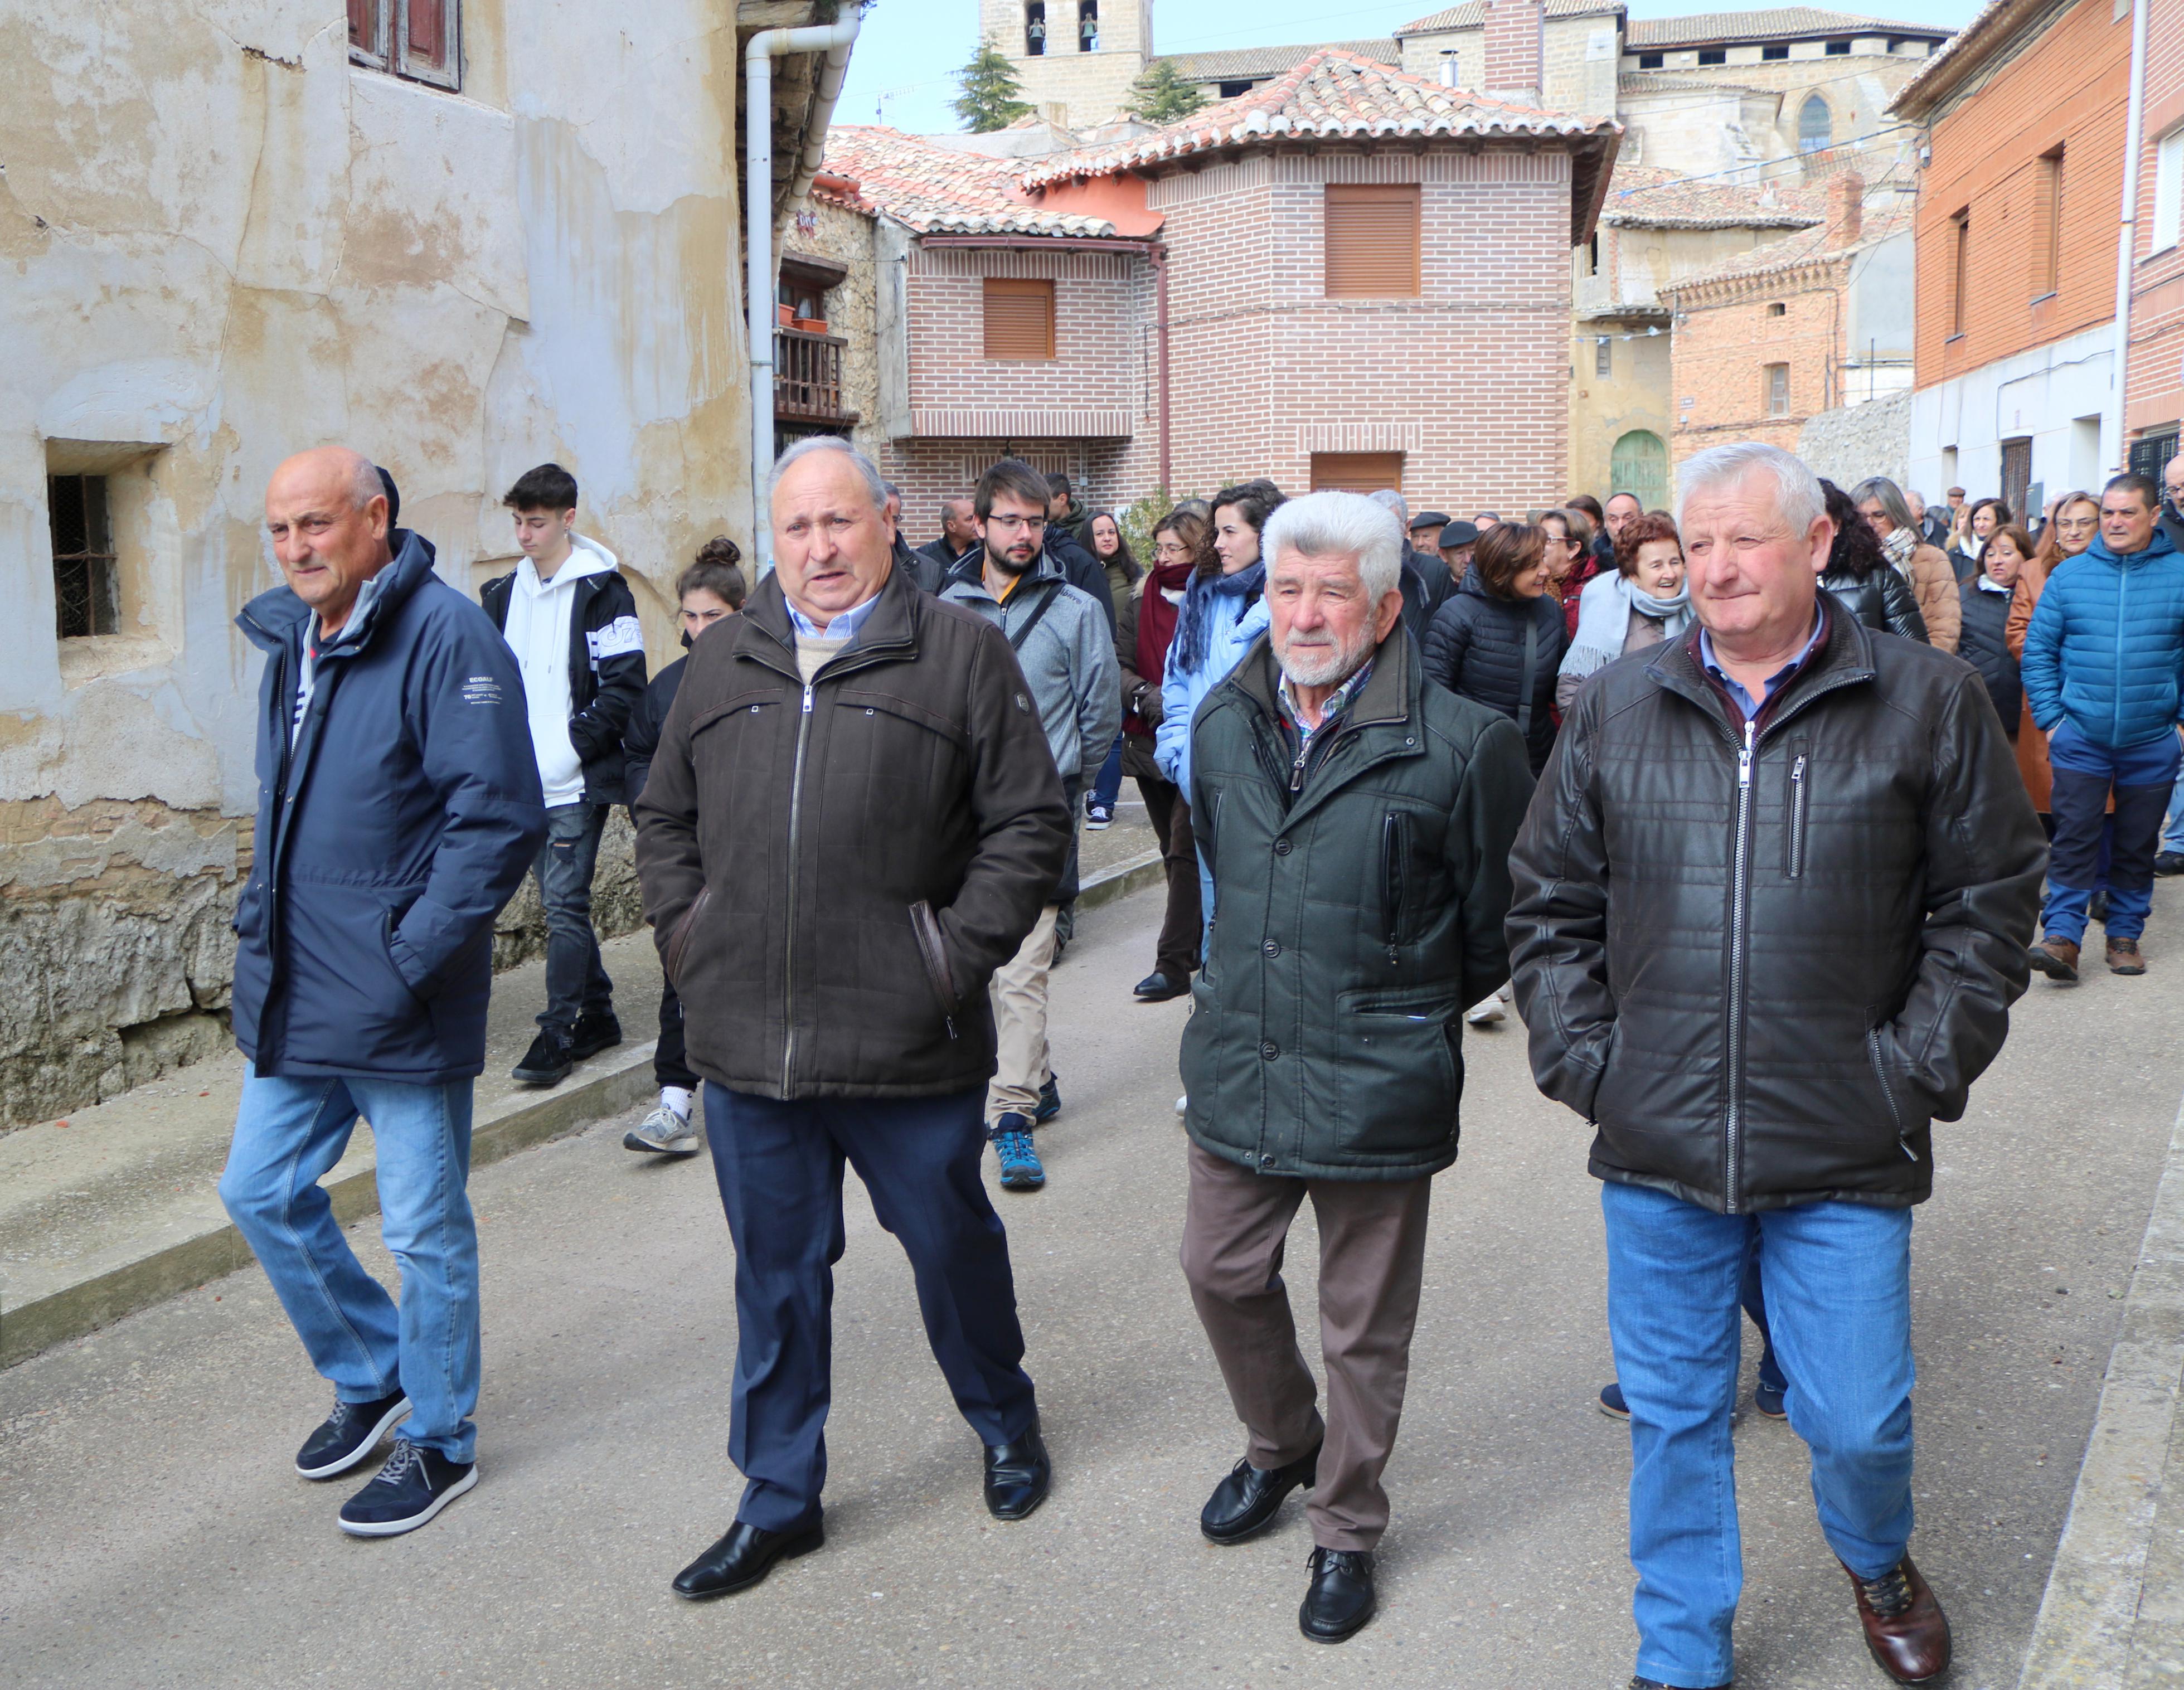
(834, 40)
(2127, 236)
(1160, 275)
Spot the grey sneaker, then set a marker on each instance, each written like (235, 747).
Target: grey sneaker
(665, 1131)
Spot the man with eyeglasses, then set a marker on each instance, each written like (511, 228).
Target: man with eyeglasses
(1066, 647)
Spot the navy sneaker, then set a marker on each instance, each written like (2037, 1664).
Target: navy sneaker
(415, 1483)
(547, 1062)
(1049, 1102)
(1769, 1401)
(1611, 1403)
(1098, 816)
(1021, 1170)
(594, 1031)
(349, 1434)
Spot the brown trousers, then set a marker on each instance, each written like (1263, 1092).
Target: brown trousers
(1372, 1256)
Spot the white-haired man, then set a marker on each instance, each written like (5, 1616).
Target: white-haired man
(1356, 825)
(1426, 580)
(1772, 901)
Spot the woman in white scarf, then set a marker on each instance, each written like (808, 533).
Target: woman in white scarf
(1645, 602)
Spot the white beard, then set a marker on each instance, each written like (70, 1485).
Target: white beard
(1323, 665)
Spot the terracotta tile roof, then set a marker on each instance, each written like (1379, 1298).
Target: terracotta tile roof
(1804, 247)
(1644, 196)
(939, 190)
(1238, 63)
(1777, 24)
(1336, 94)
(1473, 15)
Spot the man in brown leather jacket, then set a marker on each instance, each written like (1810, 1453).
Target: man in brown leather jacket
(1772, 897)
(852, 819)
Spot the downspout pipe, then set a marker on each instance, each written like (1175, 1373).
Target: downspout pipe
(2127, 237)
(1160, 272)
(834, 41)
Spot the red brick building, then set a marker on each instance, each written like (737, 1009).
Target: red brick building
(2154, 399)
(1349, 277)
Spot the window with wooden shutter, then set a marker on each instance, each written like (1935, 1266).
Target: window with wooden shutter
(421, 40)
(1019, 319)
(1372, 240)
(1357, 471)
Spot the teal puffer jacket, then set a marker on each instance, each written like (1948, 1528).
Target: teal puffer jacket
(2106, 647)
(1359, 915)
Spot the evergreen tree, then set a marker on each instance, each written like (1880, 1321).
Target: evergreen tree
(1160, 96)
(990, 90)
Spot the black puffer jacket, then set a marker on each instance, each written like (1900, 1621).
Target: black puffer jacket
(1986, 614)
(1503, 653)
(1762, 972)
(1882, 600)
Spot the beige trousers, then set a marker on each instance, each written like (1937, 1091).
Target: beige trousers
(1018, 993)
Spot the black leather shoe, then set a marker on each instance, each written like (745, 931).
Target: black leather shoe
(742, 1558)
(1245, 1502)
(1341, 1600)
(1017, 1475)
(1158, 988)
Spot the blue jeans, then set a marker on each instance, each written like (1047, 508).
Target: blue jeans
(1107, 785)
(2141, 779)
(779, 1168)
(1838, 1279)
(577, 982)
(290, 1132)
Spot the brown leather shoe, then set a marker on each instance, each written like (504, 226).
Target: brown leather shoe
(2057, 958)
(2124, 957)
(1905, 1629)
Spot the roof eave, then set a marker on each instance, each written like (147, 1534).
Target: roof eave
(1983, 44)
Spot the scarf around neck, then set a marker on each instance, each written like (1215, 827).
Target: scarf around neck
(1603, 621)
(1899, 547)
(1193, 628)
(1156, 620)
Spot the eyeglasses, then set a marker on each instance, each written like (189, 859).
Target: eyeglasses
(1169, 548)
(1010, 524)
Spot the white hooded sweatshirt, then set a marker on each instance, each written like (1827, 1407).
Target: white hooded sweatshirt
(537, 633)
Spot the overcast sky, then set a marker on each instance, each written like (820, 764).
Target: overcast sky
(902, 70)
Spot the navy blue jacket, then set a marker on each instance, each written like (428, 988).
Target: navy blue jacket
(388, 838)
(2106, 647)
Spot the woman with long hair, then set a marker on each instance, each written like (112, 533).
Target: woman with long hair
(2077, 521)
(1859, 575)
(1645, 602)
(1976, 525)
(1145, 631)
(1927, 568)
(1500, 638)
(1105, 535)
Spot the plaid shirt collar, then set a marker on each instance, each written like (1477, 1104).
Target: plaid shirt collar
(1338, 702)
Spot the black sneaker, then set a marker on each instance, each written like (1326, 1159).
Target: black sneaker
(594, 1032)
(415, 1483)
(349, 1434)
(1050, 1101)
(2169, 862)
(1611, 1401)
(547, 1062)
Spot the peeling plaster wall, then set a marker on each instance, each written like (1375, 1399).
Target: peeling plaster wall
(220, 243)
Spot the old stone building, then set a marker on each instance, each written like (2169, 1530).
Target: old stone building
(463, 246)
(1349, 277)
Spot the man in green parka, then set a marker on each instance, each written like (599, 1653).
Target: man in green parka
(1356, 821)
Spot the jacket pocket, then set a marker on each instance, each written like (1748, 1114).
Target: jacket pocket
(1798, 800)
(1398, 1075)
(679, 940)
(934, 955)
(386, 925)
(1879, 1058)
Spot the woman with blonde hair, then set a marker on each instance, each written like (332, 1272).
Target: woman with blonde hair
(2077, 520)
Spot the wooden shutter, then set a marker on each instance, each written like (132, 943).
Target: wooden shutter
(428, 33)
(1019, 319)
(367, 32)
(429, 45)
(1372, 240)
(1357, 471)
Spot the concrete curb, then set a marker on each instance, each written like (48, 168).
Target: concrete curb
(2110, 1615)
(604, 1086)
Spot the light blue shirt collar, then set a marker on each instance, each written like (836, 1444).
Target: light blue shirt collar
(843, 627)
(1744, 701)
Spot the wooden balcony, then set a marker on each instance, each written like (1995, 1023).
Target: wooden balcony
(807, 378)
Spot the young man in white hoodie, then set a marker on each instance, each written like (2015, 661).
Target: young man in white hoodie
(570, 620)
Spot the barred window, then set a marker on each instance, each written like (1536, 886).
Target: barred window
(86, 597)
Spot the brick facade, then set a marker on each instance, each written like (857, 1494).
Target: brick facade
(2153, 400)
(1724, 346)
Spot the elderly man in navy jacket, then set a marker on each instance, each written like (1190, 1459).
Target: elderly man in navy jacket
(399, 808)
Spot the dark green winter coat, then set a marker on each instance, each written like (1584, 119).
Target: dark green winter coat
(1356, 918)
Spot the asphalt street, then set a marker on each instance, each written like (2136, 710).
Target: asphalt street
(152, 1531)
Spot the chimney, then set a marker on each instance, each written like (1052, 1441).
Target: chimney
(1846, 209)
(1515, 49)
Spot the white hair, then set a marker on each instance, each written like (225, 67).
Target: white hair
(1798, 500)
(868, 470)
(1388, 499)
(1340, 525)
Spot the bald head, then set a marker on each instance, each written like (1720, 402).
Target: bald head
(326, 512)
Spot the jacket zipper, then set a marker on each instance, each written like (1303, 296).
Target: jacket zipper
(2115, 717)
(1391, 879)
(1797, 816)
(1881, 1073)
(795, 828)
(1739, 915)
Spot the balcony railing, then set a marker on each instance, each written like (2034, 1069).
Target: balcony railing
(807, 377)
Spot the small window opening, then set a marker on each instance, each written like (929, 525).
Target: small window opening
(87, 599)
(1088, 25)
(1035, 29)
(1776, 50)
(1651, 61)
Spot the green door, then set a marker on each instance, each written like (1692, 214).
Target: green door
(1640, 465)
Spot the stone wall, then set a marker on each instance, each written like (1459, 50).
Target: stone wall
(1852, 442)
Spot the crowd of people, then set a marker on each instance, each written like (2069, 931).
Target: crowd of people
(1402, 775)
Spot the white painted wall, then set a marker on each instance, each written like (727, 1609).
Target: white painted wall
(2043, 392)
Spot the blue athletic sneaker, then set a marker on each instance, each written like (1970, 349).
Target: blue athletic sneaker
(413, 1486)
(1012, 1147)
(1049, 1102)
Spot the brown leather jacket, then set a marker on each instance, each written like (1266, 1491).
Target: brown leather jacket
(1934, 584)
(833, 873)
